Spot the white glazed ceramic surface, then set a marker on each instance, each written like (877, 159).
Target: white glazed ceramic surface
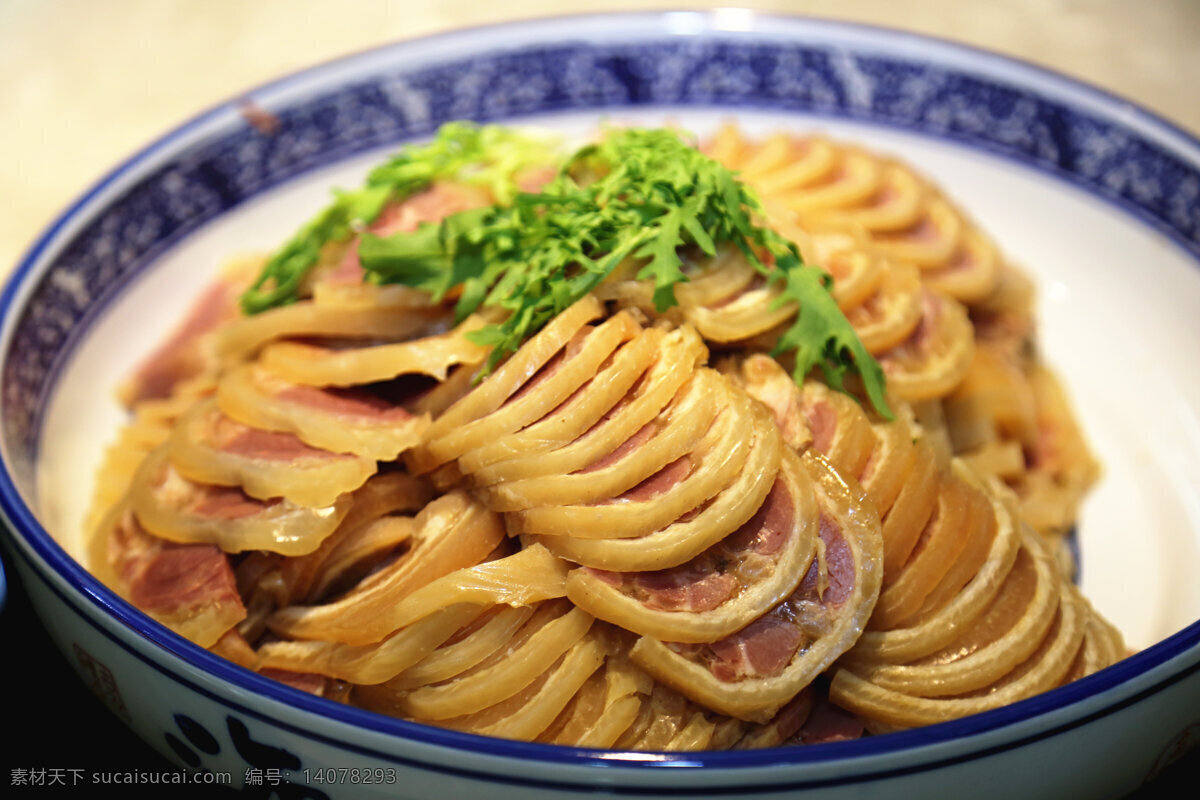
(1100, 202)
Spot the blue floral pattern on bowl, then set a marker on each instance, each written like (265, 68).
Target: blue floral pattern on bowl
(265, 764)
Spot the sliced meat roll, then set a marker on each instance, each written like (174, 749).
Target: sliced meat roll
(340, 420)
(190, 353)
(622, 412)
(174, 508)
(668, 721)
(151, 424)
(540, 376)
(532, 710)
(1026, 642)
(388, 322)
(816, 183)
(534, 647)
(452, 532)
(368, 664)
(413, 628)
(810, 185)
(932, 361)
(676, 725)
(604, 708)
(893, 461)
(658, 494)
(888, 317)
(190, 588)
(424, 620)
(696, 531)
(674, 433)
(518, 690)
(1103, 643)
(1003, 635)
(970, 602)
(208, 447)
(728, 301)
(377, 528)
(650, 366)
(349, 364)
(727, 586)
(1012, 420)
(762, 667)
(470, 646)
(922, 338)
(336, 286)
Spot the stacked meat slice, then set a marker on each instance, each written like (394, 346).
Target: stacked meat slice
(826, 186)
(964, 313)
(974, 611)
(743, 568)
(604, 542)
(250, 456)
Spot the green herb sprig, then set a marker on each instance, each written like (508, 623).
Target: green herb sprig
(488, 156)
(637, 194)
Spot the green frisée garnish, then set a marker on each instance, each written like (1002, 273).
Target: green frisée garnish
(636, 196)
(488, 156)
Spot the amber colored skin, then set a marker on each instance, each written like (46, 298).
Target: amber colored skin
(206, 446)
(620, 538)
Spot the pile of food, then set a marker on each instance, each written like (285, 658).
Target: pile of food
(650, 445)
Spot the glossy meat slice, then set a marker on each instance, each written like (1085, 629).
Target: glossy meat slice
(759, 669)
(348, 420)
(727, 586)
(174, 508)
(190, 588)
(208, 447)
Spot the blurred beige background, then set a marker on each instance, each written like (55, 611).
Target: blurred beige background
(88, 82)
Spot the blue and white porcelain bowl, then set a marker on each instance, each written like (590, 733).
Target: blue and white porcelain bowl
(1098, 199)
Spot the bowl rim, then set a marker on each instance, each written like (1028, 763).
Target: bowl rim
(1108, 690)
